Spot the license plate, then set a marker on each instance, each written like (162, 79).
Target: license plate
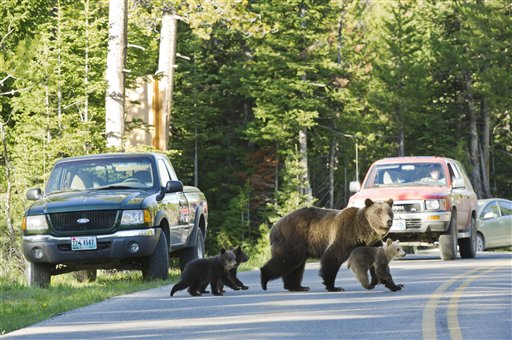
(398, 225)
(83, 243)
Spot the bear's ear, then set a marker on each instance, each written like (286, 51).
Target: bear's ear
(389, 242)
(368, 202)
(390, 202)
(222, 251)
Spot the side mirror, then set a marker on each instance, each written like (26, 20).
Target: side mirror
(34, 194)
(354, 186)
(170, 187)
(458, 183)
(173, 186)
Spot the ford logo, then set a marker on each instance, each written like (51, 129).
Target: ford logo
(82, 220)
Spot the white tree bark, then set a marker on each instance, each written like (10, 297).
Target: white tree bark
(116, 60)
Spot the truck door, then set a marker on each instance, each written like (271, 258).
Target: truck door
(176, 207)
(460, 197)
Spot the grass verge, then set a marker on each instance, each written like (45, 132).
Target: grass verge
(22, 306)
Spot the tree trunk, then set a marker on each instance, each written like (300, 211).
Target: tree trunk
(332, 168)
(485, 143)
(473, 137)
(9, 185)
(166, 65)
(116, 60)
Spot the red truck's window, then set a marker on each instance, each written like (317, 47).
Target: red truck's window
(406, 174)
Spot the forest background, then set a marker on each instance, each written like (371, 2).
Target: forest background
(278, 104)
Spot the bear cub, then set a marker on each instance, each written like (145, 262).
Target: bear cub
(376, 260)
(240, 256)
(213, 270)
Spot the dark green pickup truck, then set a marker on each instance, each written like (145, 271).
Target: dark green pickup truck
(125, 211)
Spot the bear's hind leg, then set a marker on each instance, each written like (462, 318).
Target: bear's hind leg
(292, 281)
(273, 269)
(362, 277)
(179, 286)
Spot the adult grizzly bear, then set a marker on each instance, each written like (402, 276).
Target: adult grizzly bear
(325, 234)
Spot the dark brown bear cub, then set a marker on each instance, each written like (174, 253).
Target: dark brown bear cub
(326, 234)
(241, 256)
(213, 270)
(376, 261)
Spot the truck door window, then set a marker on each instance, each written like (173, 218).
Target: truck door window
(164, 174)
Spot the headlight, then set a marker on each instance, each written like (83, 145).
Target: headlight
(35, 223)
(434, 204)
(136, 217)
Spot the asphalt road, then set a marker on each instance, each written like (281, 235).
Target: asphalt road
(461, 299)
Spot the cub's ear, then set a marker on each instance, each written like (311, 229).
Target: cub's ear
(390, 202)
(368, 202)
(222, 251)
(389, 242)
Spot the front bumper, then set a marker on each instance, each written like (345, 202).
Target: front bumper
(111, 247)
(421, 222)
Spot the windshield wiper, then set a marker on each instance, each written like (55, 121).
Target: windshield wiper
(116, 186)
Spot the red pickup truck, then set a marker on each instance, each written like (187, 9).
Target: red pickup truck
(433, 202)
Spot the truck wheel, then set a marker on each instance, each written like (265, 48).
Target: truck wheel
(157, 265)
(88, 275)
(38, 275)
(467, 246)
(448, 241)
(192, 253)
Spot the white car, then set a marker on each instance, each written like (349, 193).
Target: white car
(494, 224)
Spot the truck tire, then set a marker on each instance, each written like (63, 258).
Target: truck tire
(88, 275)
(448, 241)
(38, 275)
(467, 246)
(194, 252)
(157, 265)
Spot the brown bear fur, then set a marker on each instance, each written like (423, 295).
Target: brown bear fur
(213, 270)
(376, 261)
(325, 234)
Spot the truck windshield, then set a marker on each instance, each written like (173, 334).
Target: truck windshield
(98, 174)
(406, 174)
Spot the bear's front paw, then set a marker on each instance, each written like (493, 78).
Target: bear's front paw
(370, 287)
(297, 289)
(335, 289)
(396, 288)
(244, 287)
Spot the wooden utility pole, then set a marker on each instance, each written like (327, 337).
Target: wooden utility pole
(166, 66)
(116, 61)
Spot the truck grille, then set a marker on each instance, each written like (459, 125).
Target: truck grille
(407, 207)
(413, 223)
(98, 220)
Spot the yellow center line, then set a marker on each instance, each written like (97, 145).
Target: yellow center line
(453, 305)
(429, 312)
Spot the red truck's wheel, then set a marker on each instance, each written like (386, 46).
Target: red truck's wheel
(448, 241)
(468, 245)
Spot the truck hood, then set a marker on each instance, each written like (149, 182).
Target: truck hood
(399, 194)
(89, 200)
